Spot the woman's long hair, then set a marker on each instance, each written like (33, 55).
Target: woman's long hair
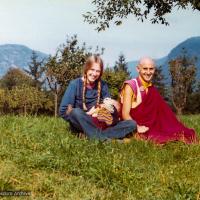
(88, 64)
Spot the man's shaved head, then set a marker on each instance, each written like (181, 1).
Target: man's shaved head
(146, 61)
(146, 68)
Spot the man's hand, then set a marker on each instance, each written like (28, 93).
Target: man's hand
(142, 129)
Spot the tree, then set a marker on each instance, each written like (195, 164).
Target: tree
(121, 65)
(15, 77)
(193, 103)
(26, 99)
(2, 99)
(114, 80)
(36, 70)
(183, 73)
(52, 74)
(116, 10)
(116, 76)
(19, 94)
(159, 81)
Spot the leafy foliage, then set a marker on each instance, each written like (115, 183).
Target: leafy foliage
(114, 81)
(193, 103)
(121, 65)
(109, 10)
(116, 76)
(26, 99)
(2, 98)
(15, 77)
(19, 94)
(159, 81)
(36, 70)
(183, 73)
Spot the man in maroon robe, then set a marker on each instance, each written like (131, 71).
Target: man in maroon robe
(142, 102)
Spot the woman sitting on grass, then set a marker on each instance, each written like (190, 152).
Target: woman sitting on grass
(85, 92)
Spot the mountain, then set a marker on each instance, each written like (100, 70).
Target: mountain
(15, 55)
(191, 45)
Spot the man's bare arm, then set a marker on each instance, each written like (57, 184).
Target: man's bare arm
(127, 101)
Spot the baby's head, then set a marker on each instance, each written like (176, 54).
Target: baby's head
(111, 105)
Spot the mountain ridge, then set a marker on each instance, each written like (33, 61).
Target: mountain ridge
(192, 47)
(17, 55)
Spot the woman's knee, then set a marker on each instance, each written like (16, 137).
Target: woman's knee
(132, 124)
(76, 112)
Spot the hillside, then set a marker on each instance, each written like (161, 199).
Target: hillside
(191, 45)
(15, 55)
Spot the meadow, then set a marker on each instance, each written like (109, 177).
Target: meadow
(40, 155)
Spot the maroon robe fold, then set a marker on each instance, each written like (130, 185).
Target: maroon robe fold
(156, 114)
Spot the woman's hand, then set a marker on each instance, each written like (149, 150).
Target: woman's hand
(91, 111)
(69, 109)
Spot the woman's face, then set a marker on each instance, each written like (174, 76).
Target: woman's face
(93, 73)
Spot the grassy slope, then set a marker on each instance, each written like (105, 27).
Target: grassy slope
(39, 154)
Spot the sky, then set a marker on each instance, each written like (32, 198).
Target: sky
(44, 25)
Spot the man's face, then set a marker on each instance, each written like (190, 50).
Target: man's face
(146, 71)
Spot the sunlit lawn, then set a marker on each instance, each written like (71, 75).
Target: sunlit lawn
(39, 154)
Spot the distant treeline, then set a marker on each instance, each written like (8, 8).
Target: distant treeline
(39, 89)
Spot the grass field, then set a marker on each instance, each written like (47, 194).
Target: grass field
(39, 154)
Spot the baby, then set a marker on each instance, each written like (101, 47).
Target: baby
(108, 114)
